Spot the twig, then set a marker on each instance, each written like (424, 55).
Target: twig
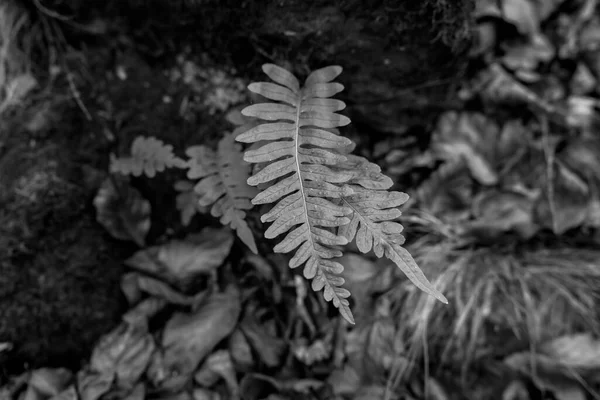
(76, 95)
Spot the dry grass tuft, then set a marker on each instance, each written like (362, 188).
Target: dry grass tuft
(501, 301)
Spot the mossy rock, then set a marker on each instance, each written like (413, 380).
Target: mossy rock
(59, 270)
(401, 59)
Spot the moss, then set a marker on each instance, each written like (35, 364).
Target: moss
(59, 272)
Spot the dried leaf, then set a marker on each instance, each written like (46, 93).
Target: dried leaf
(219, 363)
(580, 351)
(241, 351)
(180, 261)
(516, 390)
(344, 381)
(47, 382)
(124, 353)
(92, 385)
(370, 392)
(123, 211)
(68, 394)
(501, 211)
(466, 136)
(189, 338)
(570, 198)
(263, 340)
(522, 14)
(134, 284)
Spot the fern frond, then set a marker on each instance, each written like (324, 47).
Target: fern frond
(301, 155)
(148, 156)
(372, 223)
(223, 175)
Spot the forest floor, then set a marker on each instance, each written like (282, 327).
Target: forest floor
(123, 288)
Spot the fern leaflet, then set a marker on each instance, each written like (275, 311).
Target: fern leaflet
(222, 184)
(301, 154)
(148, 156)
(374, 211)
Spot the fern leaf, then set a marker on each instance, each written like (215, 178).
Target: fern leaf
(373, 226)
(148, 156)
(222, 184)
(300, 156)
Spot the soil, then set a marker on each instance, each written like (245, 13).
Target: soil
(59, 270)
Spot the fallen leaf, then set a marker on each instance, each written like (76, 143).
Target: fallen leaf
(583, 81)
(561, 364)
(515, 390)
(180, 261)
(189, 337)
(466, 136)
(370, 392)
(344, 381)
(241, 351)
(47, 382)
(122, 210)
(93, 385)
(204, 394)
(447, 193)
(579, 351)
(262, 338)
(219, 364)
(522, 15)
(311, 353)
(68, 394)
(435, 390)
(137, 393)
(123, 354)
(498, 211)
(134, 285)
(570, 198)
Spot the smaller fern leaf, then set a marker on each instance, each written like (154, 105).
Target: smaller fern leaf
(373, 223)
(223, 175)
(300, 154)
(148, 156)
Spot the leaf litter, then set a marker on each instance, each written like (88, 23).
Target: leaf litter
(511, 194)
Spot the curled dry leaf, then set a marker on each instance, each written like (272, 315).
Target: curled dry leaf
(180, 261)
(189, 337)
(122, 210)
